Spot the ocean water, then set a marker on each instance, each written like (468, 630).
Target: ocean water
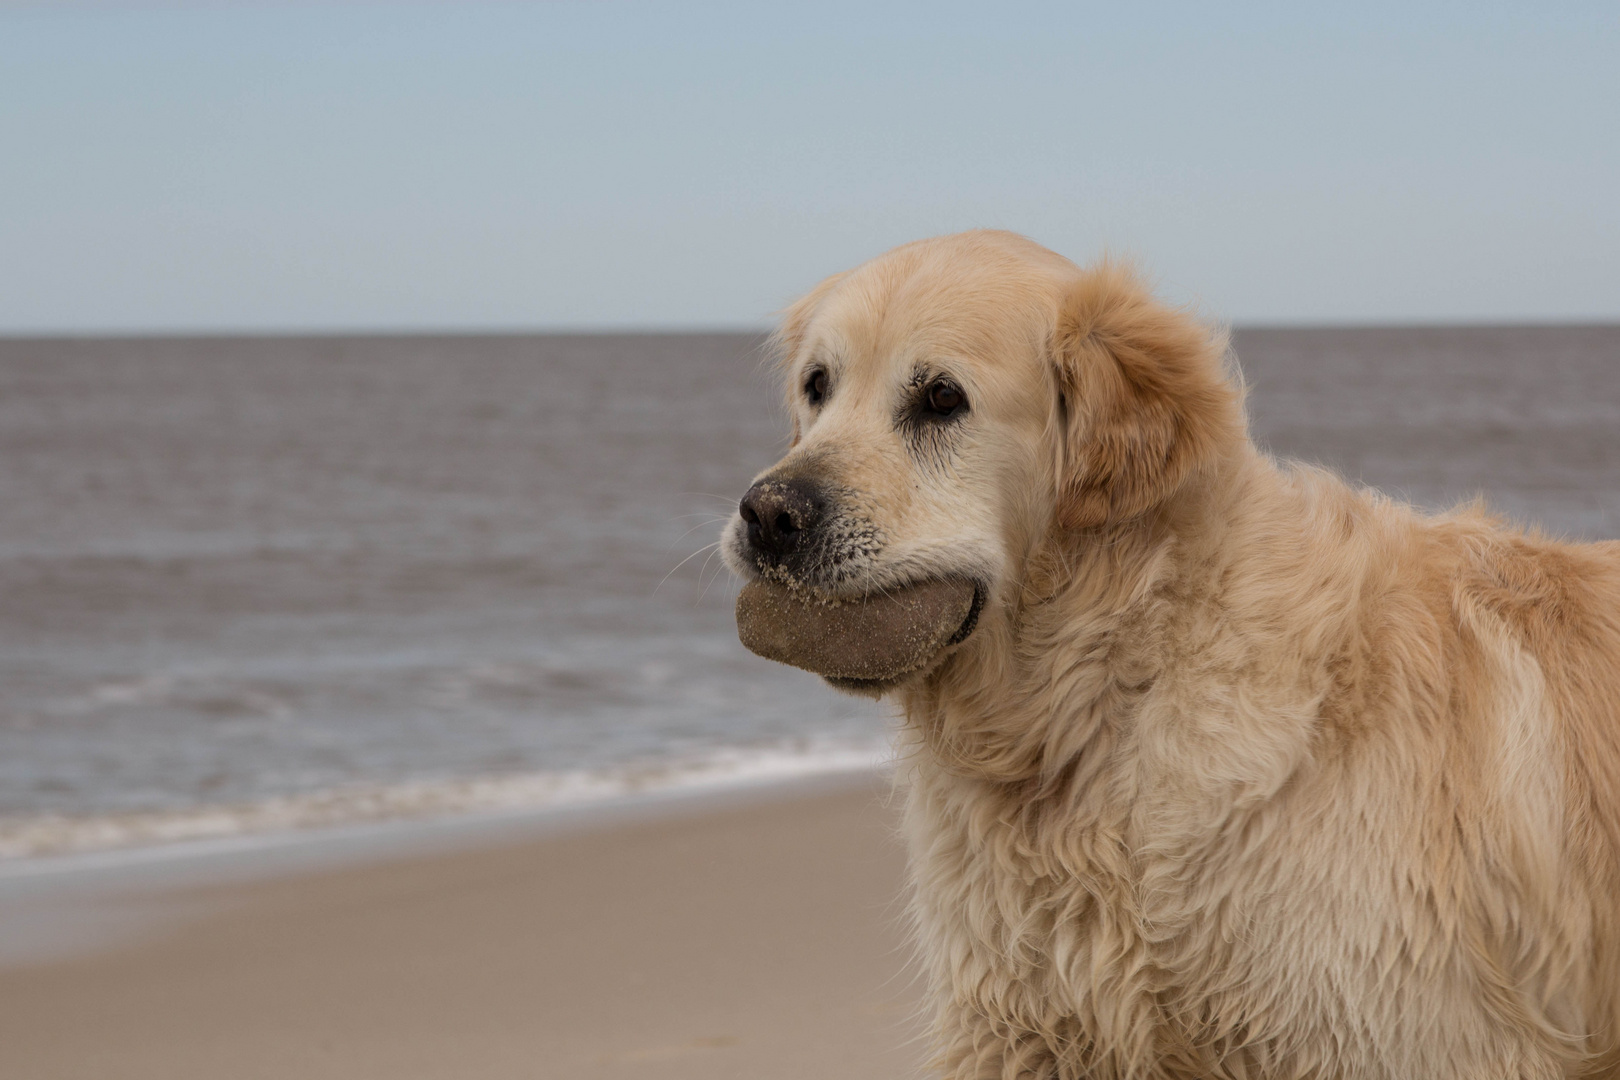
(274, 582)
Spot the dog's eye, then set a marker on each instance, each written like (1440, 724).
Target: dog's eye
(815, 387)
(944, 399)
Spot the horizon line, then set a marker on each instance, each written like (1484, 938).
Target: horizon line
(700, 330)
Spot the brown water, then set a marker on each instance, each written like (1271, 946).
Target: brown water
(237, 569)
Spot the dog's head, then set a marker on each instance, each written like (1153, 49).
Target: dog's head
(956, 403)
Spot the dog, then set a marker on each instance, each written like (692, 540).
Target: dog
(1240, 771)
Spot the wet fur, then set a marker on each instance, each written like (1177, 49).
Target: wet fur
(1245, 772)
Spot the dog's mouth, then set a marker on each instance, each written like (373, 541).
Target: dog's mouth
(971, 623)
(867, 644)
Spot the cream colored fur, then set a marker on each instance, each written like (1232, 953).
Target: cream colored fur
(1244, 772)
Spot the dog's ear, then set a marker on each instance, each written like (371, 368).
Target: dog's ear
(788, 339)
(1143, 400)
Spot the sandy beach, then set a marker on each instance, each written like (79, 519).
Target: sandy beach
(753, 935)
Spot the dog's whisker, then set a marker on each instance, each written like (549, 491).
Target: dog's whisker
(710, 547)
(704, 590)
(728, 499)
(711, 523)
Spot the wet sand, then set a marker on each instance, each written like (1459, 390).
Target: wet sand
(757, 937)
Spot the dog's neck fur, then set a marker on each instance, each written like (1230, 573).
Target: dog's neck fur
(1078, 742)
(1056, 678)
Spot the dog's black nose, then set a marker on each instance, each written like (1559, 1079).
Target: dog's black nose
(779, 514)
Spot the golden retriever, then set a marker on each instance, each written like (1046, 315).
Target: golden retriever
(1237, 771)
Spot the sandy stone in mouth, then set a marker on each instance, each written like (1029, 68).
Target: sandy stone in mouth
(878, 637)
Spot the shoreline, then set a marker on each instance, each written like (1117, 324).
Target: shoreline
(749, 934)
(61, 905)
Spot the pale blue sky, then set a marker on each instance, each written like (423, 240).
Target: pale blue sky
(213, 166)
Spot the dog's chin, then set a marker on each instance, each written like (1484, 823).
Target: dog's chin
(867, 688)
(878, 688)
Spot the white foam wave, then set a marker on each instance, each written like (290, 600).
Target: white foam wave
(24, 837)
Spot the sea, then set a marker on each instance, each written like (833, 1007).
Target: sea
(276, 583)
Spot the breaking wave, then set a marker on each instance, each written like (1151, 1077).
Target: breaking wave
(61, 834)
